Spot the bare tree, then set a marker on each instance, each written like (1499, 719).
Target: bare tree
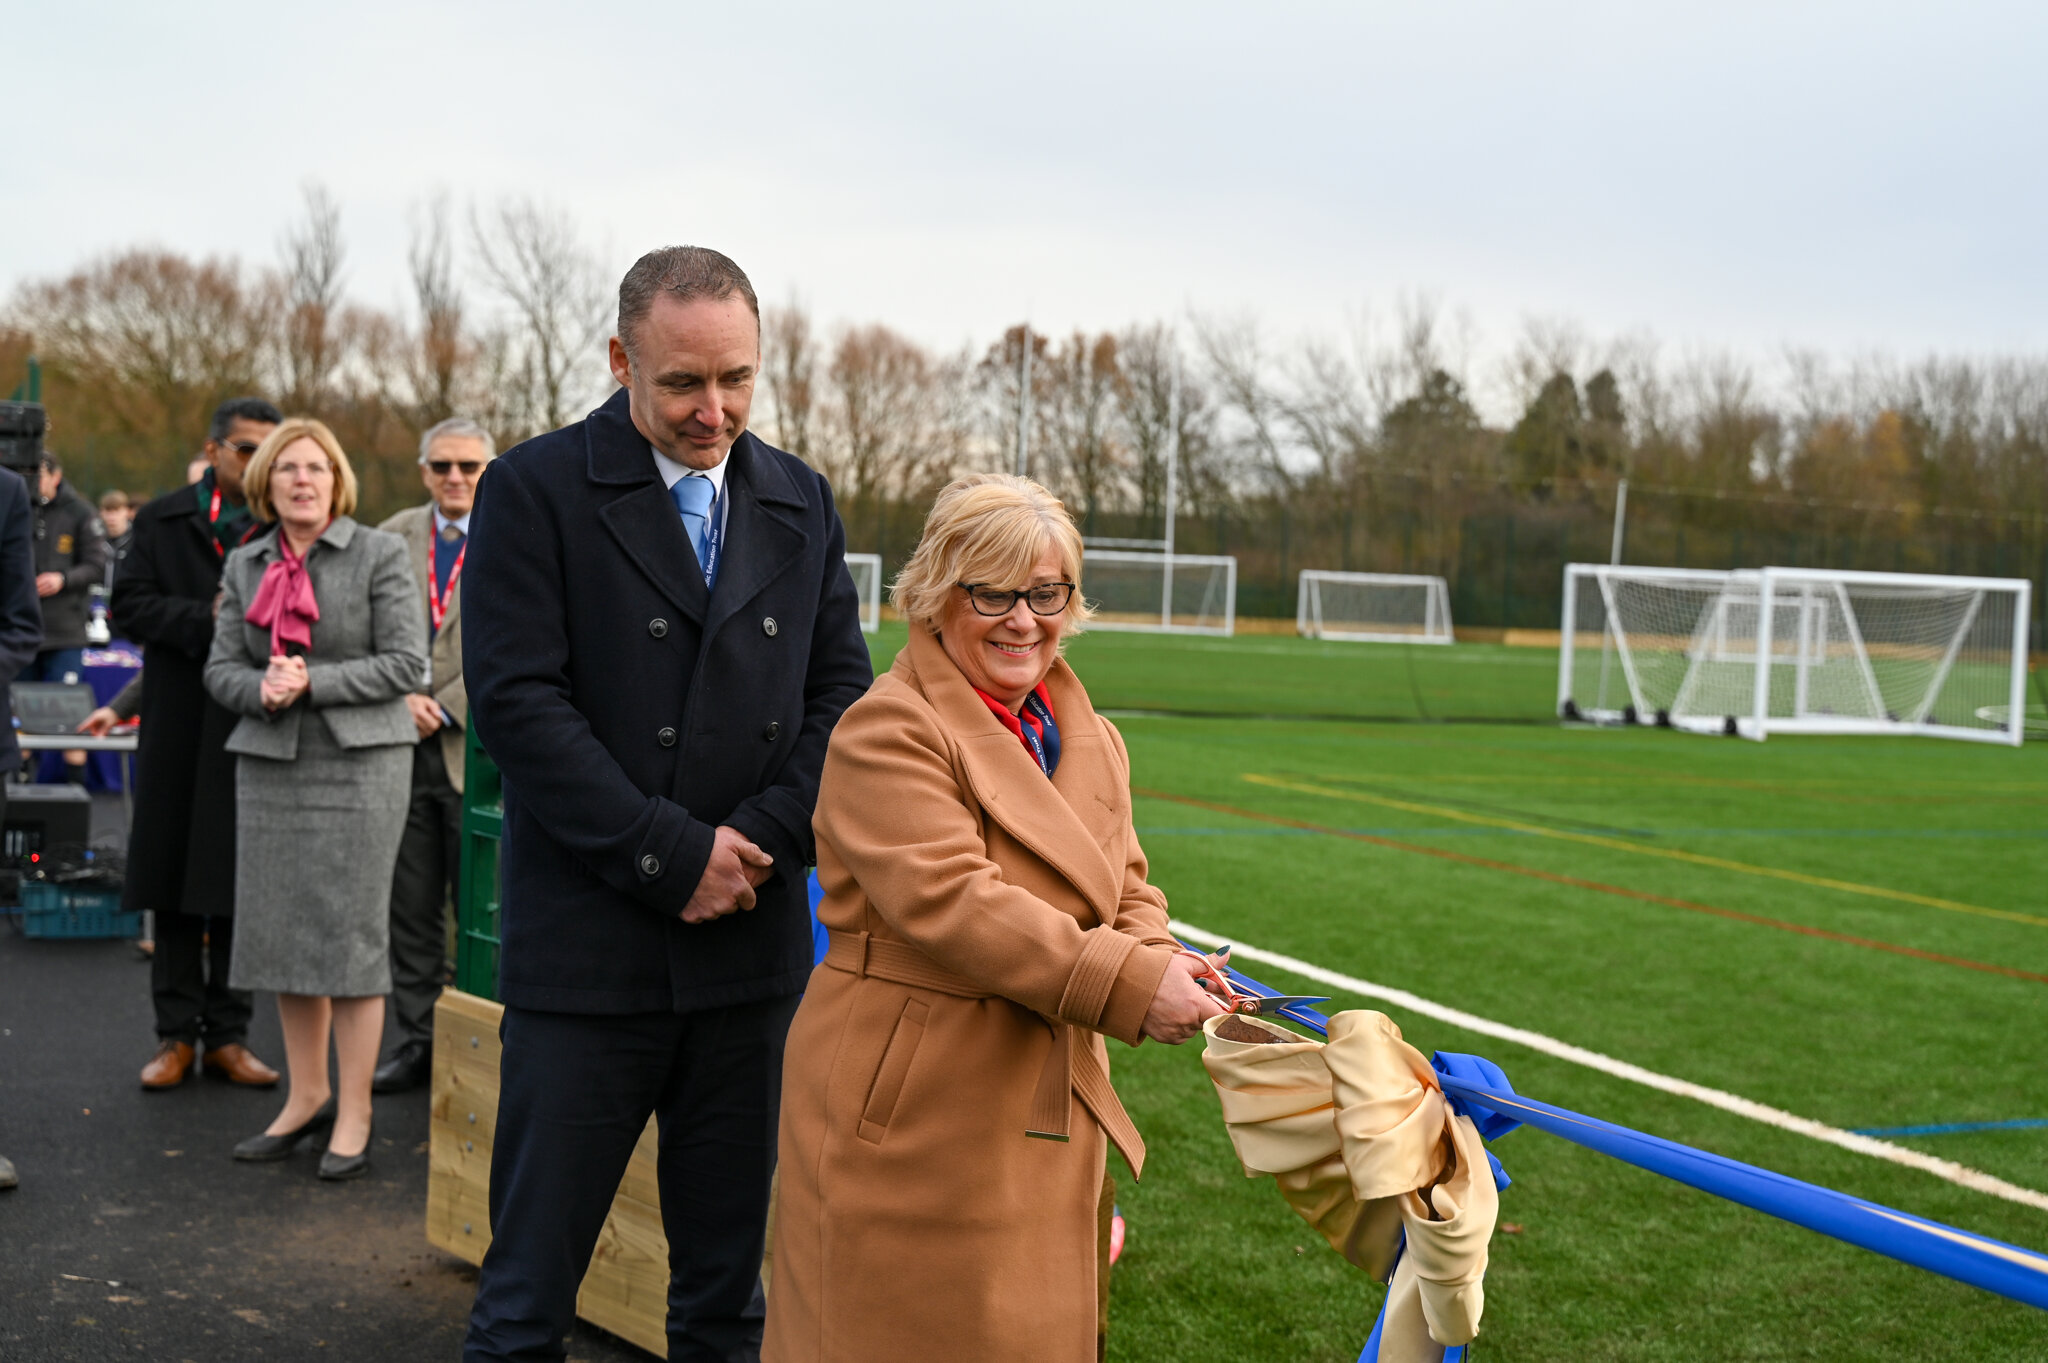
(139, 348)
(998, 382)
(885, 440)
(312, 252)
(1144, 404)
(440, 354)
(1085, 379)
(533, 260)
(1237, 362)
(790, 359)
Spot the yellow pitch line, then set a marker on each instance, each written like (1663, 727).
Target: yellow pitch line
(1668, 853)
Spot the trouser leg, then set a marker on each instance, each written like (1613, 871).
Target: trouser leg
(177, 976)
(718, 1115)
(226, 1022)
(574, 1094)
(420, 882)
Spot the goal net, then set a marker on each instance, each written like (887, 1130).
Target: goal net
(1390, 608)
(1795, 650)
(867, 581)
(1162, 593)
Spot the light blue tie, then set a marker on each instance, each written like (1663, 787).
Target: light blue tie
(692, 497)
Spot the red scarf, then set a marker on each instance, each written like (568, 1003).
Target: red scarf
(1035, 728)
(285, 601)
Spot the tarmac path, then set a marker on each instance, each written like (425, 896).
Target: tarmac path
(134, 1235)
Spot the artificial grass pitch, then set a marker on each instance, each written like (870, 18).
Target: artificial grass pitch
(1850, 929)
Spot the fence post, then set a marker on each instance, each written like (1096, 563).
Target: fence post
(1507, 574)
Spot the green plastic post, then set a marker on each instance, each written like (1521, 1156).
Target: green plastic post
(476, 910)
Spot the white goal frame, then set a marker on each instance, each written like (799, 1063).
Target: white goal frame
(871, 600)
(1165, 564)
(1436, 622)
(1812, 596)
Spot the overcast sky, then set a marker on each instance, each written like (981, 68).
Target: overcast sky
(1861, 176)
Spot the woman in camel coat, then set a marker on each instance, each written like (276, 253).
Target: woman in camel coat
(946, 1105)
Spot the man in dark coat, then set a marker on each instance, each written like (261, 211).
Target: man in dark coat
(660, 634)
(71, 559)
(181, 848)
(21, 631)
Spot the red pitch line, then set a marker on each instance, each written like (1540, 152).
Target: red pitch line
(1626, 893)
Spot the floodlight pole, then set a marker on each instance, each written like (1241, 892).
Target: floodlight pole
(1172, 460)
(1620, 519)
(1024, 407)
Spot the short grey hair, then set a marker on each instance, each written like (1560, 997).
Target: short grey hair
(683, 273)
(460, 426)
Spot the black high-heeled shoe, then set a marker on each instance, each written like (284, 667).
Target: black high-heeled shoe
(265, 1148)
(339, 1168)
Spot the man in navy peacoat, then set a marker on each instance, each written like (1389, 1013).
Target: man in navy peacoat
(661, 740)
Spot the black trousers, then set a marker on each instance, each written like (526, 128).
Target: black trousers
(188, 979)
(423, 884)
(574, 1094)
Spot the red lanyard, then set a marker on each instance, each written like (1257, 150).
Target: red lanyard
(437, 606)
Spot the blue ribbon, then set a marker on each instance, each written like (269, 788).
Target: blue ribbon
(1478, 1089)
(2008, 1270)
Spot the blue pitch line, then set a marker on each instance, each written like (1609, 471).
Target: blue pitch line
(1950, 1128)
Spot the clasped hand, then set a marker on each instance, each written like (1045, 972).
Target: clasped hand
(426, 713)
(284, 681)
(737, 866)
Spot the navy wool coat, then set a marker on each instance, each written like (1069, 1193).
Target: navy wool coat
(632, 711)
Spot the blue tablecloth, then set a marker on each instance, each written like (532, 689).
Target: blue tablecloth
(107, 670)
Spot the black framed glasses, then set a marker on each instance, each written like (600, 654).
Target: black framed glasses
(442, 467)
(1048, 598)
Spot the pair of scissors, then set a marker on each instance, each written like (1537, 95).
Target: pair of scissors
(1240, 995)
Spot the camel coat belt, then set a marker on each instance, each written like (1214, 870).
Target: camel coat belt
(990, 927)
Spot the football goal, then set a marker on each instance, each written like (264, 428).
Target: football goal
(867, 580)
(1795, 650)
(1162, 593)
(1385, 608)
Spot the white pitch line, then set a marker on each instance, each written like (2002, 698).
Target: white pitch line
(1959, 1174)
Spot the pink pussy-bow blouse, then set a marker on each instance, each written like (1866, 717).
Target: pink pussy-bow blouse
(284, 601)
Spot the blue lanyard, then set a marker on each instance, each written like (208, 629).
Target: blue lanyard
(1031, 736)
(714, 536)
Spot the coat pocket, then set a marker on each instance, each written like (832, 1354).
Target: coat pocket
(894, 1069)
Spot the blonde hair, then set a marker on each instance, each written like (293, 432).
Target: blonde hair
(256, 481)
(988, 527)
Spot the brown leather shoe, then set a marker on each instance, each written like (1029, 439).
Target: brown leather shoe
(169, 1066)
(237, 1064)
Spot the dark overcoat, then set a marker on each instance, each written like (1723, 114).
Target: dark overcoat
(71, 541)
(181, 847)
(632, 711)
(21, 620)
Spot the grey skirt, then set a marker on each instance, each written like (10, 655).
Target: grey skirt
(315, 841)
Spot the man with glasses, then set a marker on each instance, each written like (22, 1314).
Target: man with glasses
(181, 848)
(452, 457)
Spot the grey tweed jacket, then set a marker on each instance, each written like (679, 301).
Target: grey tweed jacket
(369, 644)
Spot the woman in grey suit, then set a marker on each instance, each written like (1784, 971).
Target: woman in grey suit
(319, 639)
